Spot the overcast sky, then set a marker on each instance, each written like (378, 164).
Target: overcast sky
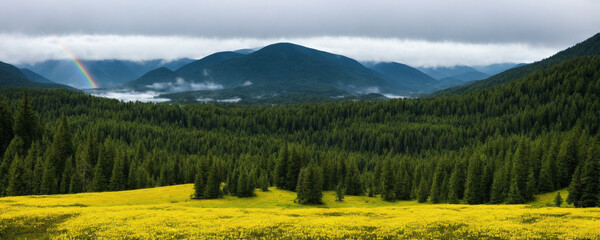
(417, 33)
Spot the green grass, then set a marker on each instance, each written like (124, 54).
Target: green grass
(547, 199)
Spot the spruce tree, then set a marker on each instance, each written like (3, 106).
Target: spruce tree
(26, 123)
(17, 184)
(282, 168)
(293, 169)
(199, 185)
(61, 149)
(49, 184)
(353, 184)
(423, 192)
(310, 185)
(339, 193)
(558, 200)
(500, 186)
(213, 184)
(67, 176)
(118, 179)
(76, 183)
(16, 147)
(473, 191)
(575, 189)
(590, 185)
(457, 182)
(387, 181)
(6, 126)
(517, 193)
(546, 178)
(263, 182)
(436, 187)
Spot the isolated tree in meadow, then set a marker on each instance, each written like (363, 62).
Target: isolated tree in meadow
(339, 192)
(310, 185)
(558, 200)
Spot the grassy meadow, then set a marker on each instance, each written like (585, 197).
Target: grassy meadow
(168, 212)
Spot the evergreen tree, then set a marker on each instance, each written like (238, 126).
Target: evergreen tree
(38, 172)
(473, 192)
(500, 186)
(457, 182)
(6, 126)
(100, 180)
(436, 187)
(339, 193)
(590, 183)
(353, 184)
(575, 189)
(199, 185)
(76, 183)
(245, 187)
(531, 187)
(61, 149)
(16, 147)
(387, 181)
(423, 192)
(67, 176)
(310, 185)
(558, 200)
(26, 123)
(17, 184)
(49, 184)
(517, 193)
(213, 183)
(546, 175)
(118, 180)
(263, 182)
(282, 168)
(294, 165)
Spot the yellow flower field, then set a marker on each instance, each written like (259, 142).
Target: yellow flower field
(168, 212)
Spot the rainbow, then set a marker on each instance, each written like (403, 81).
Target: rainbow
(82, 68)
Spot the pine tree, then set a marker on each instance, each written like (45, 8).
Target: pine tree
(61, 149)
(199, 185)
(263, 182)
(353, 184)
(436, 187)
(245, 185)
(118, 180)
(294, 165)
(531, 187)
(26, 121)
(457, 182)
(517, 193)
(590, 183)
(282, 168)
(558, 200)
(213, 183)
(473, 192)
(16, 147)
(546, 181)
(6, 126)
(423, 192)
(500, 186)
(17, 184)
(100, 180)
(575, 189)
(76, 183)
(38, 172)
(67, 176)
(339, 193)
(387, 181)
(49, 184)
(310, 185)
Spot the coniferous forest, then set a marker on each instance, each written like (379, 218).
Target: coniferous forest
(503, 144)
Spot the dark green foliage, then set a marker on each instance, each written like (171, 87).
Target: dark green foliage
(339, 193)
(457, 182)
(213, 184)
(61, 150)
(575, 189)
(310, 185)
(26, 123)
(199, 185)
(473, 191)
(6, 126)
(387, 181)
(558, 200)
(118, 179)
(263, 182)
(18, 183)
(245, 184)
(590, 182)
(423, 192)
(353, 184)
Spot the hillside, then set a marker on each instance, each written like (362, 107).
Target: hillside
(406, 76)
(167, 211)
(12, 76)
(589, 47)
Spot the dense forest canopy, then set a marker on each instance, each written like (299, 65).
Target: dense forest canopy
(495, 145)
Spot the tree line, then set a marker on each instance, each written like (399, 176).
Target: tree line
(498, 145)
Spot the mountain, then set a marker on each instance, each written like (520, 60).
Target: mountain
(12, 76)
(589, 47)
(142, 67)
(406, 75)
(494, 69)
(463, 73)
(277, 71)
(31, 75)
(198, 69)
(154, 79)
(106, 73)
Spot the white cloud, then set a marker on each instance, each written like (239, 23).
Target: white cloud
(130, 96)
(181, 85)
(247, 83)
(17, 48)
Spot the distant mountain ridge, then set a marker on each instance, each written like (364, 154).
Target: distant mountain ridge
(589, 47)
(14, 77)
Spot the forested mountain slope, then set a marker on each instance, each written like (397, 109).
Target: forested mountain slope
(500, 144)
(589, 47)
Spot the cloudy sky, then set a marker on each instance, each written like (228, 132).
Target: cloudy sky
(418, 33)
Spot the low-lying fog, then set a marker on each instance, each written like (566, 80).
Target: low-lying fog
(129, 95)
